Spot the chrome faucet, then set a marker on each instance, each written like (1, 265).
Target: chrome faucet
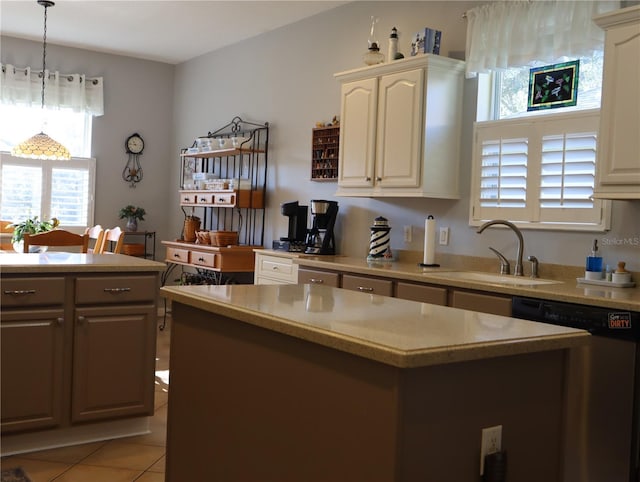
(514, 228)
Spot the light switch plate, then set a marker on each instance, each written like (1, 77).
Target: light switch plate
(444, 236)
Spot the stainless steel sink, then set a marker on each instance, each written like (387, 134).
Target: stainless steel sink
(492, 278)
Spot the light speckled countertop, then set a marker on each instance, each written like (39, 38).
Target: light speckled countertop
(57, 261)
(568, 290)
(389, 330)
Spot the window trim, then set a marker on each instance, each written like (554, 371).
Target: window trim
(48, 165)
(531, 211)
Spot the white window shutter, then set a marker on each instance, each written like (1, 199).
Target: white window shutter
(538, 172)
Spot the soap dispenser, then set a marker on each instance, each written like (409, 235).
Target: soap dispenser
(594, 263)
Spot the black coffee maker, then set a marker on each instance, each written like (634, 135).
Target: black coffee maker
(320, 238)
(295, 240)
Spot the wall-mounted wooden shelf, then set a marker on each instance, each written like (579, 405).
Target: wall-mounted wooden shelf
(325, 142)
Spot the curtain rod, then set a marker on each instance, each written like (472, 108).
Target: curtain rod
(39, 72)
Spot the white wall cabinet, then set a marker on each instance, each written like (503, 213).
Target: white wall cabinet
(618, 168)
(400, 128)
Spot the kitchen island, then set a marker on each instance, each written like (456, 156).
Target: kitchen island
(78, 336)
(305, 382)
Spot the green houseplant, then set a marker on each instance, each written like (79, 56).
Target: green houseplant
(132, 214)
(31, 225)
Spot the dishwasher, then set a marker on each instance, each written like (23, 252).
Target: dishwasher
(603, 390)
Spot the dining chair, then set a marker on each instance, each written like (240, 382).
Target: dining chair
(56, 237)
(111, 236)
(7, 232)
(96, 233)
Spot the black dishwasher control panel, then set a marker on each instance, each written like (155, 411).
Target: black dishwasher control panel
(601, 321)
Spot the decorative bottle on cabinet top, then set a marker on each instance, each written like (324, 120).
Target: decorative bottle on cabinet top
(373, 55)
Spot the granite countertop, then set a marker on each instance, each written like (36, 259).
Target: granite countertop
(396, 332)
(58, 261)
(567, 289)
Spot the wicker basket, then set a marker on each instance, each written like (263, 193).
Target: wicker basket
(223, 238)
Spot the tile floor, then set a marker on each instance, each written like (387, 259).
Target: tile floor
(140, 458)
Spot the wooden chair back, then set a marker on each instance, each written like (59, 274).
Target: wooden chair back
(56, 237)
(96, 234)
(114, 235)
(7, 234)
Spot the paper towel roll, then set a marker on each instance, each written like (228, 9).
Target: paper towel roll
(429, 241)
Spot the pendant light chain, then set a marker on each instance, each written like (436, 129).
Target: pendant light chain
(44, 51)
(41, 146)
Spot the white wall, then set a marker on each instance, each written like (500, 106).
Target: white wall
(138, 97)
(285, 77)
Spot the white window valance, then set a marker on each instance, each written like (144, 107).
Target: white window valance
(520, 33)
(23, 86)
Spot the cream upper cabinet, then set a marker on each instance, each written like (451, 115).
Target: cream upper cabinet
(618, 168)
(400, 128)
(358, 133)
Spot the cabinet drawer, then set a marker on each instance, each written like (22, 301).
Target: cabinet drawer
(423, 293)
(311, 276)
(120, 289)
(177, 255)
(368, 285)
(496, 305)
(32, 291)
(203, 259)
(277, 268)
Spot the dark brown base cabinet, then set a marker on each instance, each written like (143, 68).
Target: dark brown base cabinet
(437, 295)
(76, 349)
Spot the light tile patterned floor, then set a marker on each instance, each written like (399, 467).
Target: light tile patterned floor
(140, 458)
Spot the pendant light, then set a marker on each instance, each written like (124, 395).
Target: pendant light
(41, 146)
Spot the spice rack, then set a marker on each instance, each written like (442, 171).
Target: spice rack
(325, 142)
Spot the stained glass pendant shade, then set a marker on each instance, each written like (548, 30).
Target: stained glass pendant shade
(41, 146)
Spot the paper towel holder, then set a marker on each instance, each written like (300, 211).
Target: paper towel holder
(424, 264)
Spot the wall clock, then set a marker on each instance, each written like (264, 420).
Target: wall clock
(132, 172)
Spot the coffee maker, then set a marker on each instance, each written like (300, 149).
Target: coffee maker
(295, 240)
(320, 238)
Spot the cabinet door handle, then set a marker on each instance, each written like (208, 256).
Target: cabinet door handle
(274, 268)
(316, 281)
(176, 255)
(19, 292)
(82, 319)
(368, 179)
(365, 289)
(201, 259)
(378, 179)
(116, 290)
(60, 321)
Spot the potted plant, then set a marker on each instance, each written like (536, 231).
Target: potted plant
(31, 225)
(132, 214)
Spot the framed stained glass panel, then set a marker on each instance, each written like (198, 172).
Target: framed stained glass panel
(553, 86)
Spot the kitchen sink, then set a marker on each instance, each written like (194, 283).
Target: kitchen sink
(492, 278)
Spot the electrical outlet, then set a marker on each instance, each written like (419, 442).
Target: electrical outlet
(444, 236)
(491, 443)
(407, 234)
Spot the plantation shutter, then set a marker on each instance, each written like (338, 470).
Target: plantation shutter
(69, 195)
(567, 170)
(44, 188)
(539, 169)
(501, 160)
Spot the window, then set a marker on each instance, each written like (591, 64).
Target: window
(511, 87)
(61, 189)
(71, 129)
(538, 172)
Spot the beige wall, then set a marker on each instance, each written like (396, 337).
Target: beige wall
(138, 97)
(285, 77)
